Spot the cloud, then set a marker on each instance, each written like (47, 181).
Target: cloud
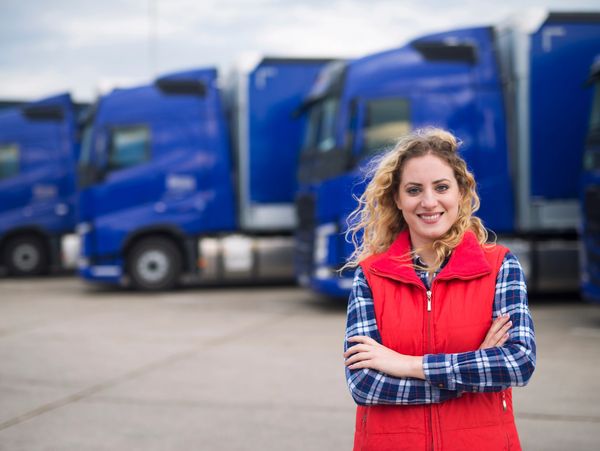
(73, 45)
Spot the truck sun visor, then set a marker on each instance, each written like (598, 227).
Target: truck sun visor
(443, 51)
(181, 87)
(43, 112)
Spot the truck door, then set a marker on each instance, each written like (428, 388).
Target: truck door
(125, 153)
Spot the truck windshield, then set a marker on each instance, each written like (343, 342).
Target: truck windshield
(320, 132)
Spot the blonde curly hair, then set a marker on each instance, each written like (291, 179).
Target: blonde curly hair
(377, 215)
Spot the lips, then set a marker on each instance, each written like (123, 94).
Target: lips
(430, 218)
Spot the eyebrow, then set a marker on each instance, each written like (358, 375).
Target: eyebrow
(435, 182)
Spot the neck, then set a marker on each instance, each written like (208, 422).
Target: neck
(427, 255)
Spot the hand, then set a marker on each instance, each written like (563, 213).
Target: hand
(368, 353)
(498, 333)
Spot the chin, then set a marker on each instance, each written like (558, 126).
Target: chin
(437, 234)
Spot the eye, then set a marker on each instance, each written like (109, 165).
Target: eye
(413, 190)
(441, 188)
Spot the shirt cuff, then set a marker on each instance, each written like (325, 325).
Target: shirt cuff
(437, 369)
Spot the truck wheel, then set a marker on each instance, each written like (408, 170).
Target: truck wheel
(154, 264)
(26, 256)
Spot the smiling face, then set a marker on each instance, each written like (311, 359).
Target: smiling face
(428, 196)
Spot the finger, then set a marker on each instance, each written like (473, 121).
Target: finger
(499, 340)
(503, 340)
(503, 331)
(494, 334)
(498, 323)
(356, 348)
(361, 339)
(360, 365)
(360, 357)
(496, 330)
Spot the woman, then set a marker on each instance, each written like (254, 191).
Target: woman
(438, 324)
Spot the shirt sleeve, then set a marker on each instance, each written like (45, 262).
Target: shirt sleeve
(371, 387)
(493, 369)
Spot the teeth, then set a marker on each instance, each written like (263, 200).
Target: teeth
(430, 217)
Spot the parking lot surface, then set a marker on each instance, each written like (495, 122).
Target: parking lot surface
(244, 368)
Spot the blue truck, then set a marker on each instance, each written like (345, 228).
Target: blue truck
(590, 274)
(39, 147)
(512, 93)
(192, 177)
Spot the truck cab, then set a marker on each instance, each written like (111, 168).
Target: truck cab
(495, 88)
(359, 108)
(155, 169)
(39, 147)
(184, 178)
(590, 231)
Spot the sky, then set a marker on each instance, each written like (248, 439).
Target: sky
(88, 47)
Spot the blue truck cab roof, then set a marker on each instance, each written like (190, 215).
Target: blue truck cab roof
(459, 55)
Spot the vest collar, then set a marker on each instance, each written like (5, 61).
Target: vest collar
(466, 262)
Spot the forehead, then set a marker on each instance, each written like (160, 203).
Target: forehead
(426, 168)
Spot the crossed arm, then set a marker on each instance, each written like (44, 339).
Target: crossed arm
(379, 375)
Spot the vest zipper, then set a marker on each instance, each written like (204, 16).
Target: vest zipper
(429, 350)
(503, 425)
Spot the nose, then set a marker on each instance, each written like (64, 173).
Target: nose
(429, 199)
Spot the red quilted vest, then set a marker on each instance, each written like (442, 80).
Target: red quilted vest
(462, 298)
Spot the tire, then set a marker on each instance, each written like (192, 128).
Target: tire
(26, 256)
(154, 264)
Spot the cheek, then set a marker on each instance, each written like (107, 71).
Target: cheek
(456, 210)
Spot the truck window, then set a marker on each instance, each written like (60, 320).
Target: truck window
(129, 147)
(9, 160)
(386, 120)
(320, 133)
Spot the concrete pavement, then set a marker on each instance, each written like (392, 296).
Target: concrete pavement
(232, 369)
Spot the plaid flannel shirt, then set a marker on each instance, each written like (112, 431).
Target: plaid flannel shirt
(492, 369)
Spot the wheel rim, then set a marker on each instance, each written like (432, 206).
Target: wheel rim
(26, 257)
(153, 266)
